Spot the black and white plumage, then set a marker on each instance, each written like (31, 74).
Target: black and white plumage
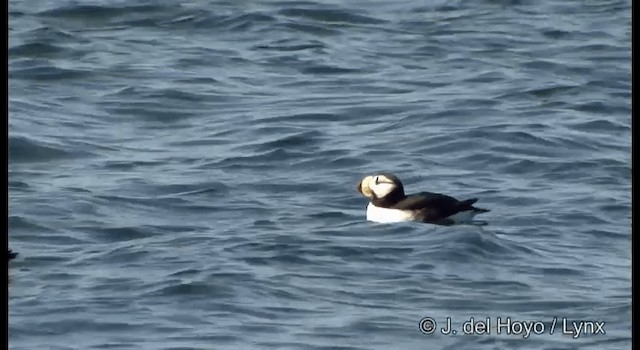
(390, 204)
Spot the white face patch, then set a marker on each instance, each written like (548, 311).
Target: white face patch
(381, 185)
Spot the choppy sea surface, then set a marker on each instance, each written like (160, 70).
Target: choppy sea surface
(182, 175)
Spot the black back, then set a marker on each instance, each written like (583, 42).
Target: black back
(430, 207)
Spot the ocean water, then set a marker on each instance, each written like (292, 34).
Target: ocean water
(182, 174)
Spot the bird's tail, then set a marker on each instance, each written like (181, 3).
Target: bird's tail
(468, 205)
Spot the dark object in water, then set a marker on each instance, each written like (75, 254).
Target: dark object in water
(12, 255)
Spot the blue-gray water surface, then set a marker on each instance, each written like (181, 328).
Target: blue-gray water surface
(182, 175)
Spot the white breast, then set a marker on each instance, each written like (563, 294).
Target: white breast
(384, 215)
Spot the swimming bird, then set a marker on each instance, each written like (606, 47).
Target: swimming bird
(390, 204)
(12, 255)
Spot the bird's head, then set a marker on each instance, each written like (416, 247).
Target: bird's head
(380, 186)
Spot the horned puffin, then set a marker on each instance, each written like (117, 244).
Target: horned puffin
(390, 204)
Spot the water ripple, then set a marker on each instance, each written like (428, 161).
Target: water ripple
(183, 175)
